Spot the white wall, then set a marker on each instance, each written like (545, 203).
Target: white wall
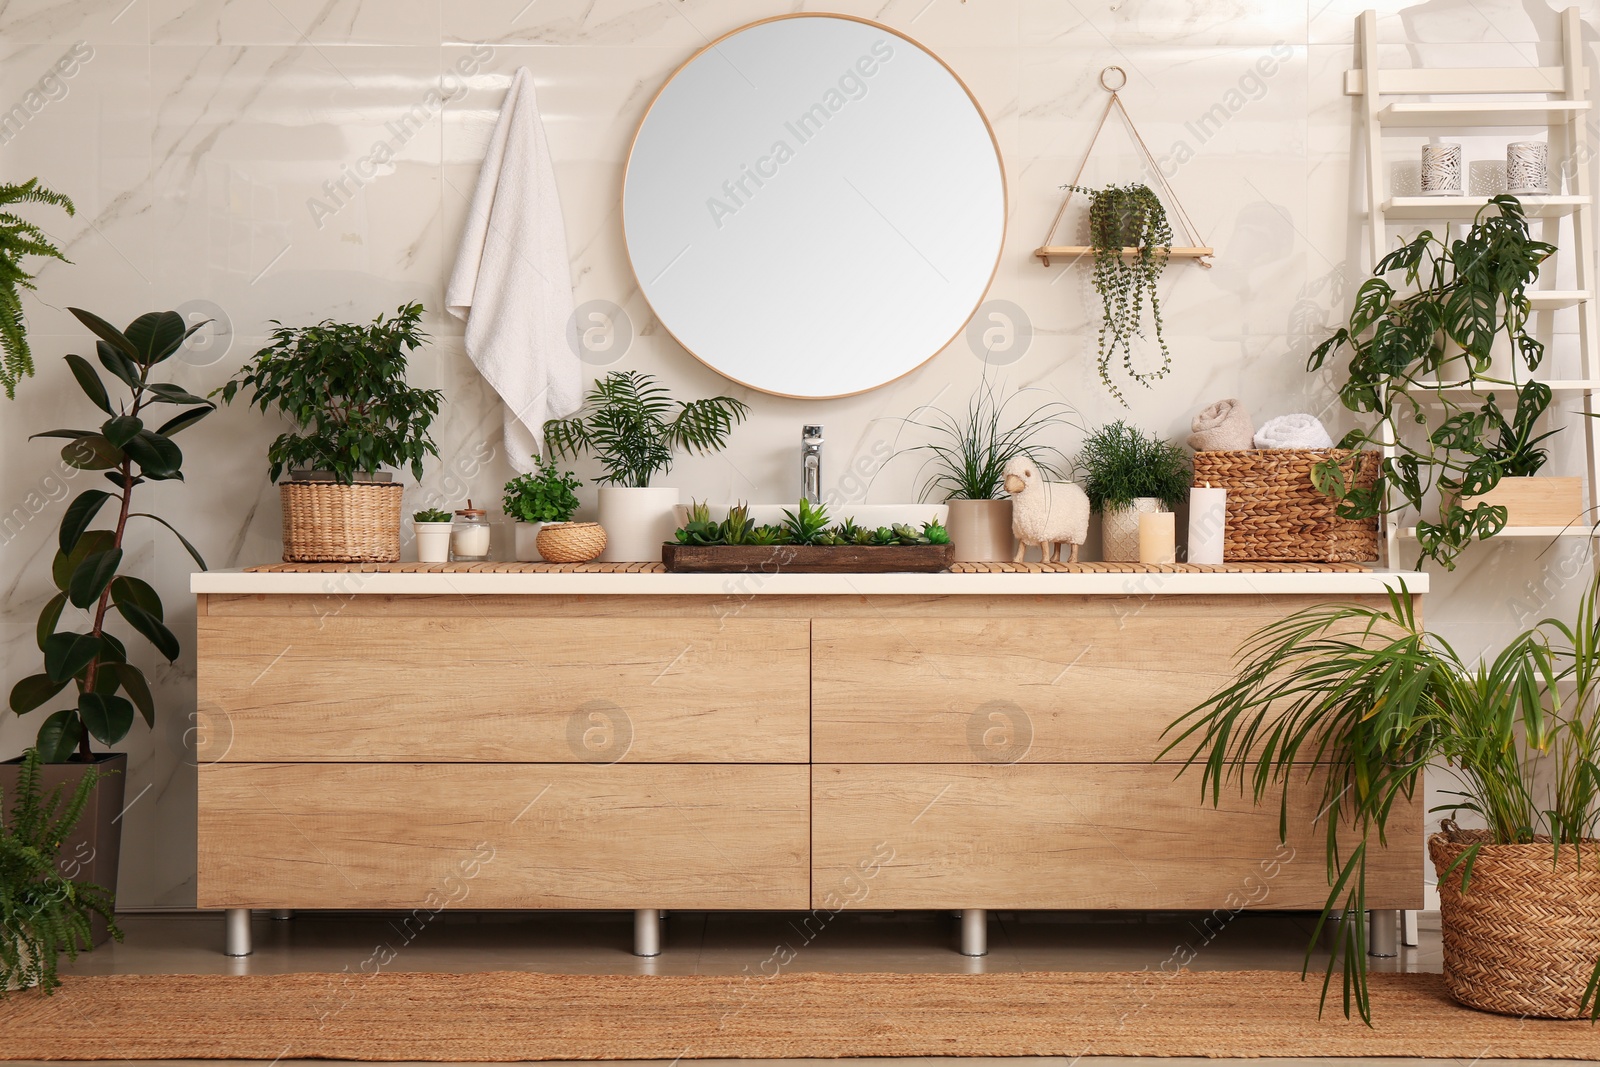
(194, 136)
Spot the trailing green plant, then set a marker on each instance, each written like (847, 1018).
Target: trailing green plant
(1436, 325)
(431, 515)
(632, 425)
(1123, 217)
(344, 387)
(1356, 701)
(43, 912)
(1121, 463)
(19, 238)
(107, 690)
(543, 495)
(971, 451)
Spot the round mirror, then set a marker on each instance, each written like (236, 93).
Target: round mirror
(814, 205)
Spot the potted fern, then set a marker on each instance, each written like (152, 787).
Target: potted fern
(44, 912)
(19, 238)
(344, 387)
(1129, 473)
(545, 495)
(632, 425)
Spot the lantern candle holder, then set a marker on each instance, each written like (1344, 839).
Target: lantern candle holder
(1528, 167)
(1441, 169)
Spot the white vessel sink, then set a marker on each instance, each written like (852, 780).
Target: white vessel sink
(869, 516)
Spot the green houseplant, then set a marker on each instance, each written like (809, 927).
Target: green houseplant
(540, 496)
(1131, 240)
(1128, 472)
(969, 454)
(43, 911)
(632, 425)
(343, 385)
(1353, 702)
(432, 529)
(1430, 316)
(19, 238)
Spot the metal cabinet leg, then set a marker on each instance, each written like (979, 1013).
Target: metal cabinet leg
(236, 932)
(1408, 929)
(646, 932)
(1383, 933)
(974, 932)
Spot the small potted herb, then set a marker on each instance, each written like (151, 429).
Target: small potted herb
(432, 527)
(1128, 472)
(545, 495)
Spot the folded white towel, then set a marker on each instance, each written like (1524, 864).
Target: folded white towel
(513, 276)
(1293, 431)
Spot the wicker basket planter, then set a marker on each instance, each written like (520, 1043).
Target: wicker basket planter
(1276, 514)
(1525, 936)
(571, 542)
(325, 522)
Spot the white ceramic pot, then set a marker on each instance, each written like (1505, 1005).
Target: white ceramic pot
(433, 541)
(527, 538)
(1119, 529)
(637, 522)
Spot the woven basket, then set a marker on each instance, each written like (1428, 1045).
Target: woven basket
(325, 522)
(1275, 513)
(1524, 938)
(571, 542)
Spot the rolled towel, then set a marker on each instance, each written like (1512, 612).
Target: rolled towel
(1222, 427)
(1293, 431)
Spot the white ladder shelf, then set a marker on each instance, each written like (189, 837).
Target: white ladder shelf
(1562, 106)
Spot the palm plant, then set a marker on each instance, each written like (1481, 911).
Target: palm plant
(19, 238)
(43, 913)
(972, 451)
(1357, 701)
(632, 425)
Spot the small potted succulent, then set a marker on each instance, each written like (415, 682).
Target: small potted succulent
(544, 495)
(344, 387)
(632, 425)
(1128, 473)
(432, 527)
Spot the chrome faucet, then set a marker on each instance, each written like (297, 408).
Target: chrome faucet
(811, 463)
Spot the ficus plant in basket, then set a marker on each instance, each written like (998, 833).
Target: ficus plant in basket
(1353, 702)
(1421, 340)
(132, 446)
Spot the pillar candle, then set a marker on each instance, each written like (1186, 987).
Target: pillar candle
(1208, 519)
(1158, 538)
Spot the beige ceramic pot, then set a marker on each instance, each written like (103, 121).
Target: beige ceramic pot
(980, 530)
(1119, 529)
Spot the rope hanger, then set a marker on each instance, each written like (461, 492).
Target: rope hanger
(1198, 251)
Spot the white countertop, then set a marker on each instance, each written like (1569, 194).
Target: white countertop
(566, 584)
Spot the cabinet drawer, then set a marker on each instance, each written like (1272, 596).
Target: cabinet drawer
(502, 836)
(1070, 686)
(1075, 837)
(595, 690)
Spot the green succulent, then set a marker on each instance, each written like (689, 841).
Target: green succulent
(805, 525)
(700, 530)
(935, 533)
(847, 530)
(766, 535)
(431, 515)
(864, 537)
(883, 535)
(736, 528)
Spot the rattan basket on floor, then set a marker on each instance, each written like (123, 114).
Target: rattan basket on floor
(571, 542)
(1524, 938)
(1275, 512)
(325, 522)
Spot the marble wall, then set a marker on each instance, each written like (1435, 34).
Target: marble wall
(196, 138)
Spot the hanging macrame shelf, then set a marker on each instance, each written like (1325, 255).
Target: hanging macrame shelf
(1198, 251)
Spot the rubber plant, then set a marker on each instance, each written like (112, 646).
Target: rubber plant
(632, 425)
(1124, 217)
(1355, 702)
(107, 691)
(19, 238)
(1420, 336)
(43, 912)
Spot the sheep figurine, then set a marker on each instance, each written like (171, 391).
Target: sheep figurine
(1045, 513)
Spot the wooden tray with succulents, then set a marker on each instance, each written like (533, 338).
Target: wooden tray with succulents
(806, 543)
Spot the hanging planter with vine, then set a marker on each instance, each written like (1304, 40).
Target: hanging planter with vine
(1131, 239)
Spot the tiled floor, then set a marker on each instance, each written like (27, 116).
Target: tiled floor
(727, 943)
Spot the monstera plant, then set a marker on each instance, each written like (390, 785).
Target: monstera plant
(132, 446)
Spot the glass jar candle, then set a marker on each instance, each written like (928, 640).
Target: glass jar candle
(469, 535)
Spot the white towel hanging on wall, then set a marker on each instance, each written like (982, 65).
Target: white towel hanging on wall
(512, 281)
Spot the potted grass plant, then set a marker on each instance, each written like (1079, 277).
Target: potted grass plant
(1128, 473)
(544, 495)
(1370, 699)
(969, 454)
(632, 425)
(45, 909)
(344, 387)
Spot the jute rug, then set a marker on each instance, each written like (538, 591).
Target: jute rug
(518, 1016)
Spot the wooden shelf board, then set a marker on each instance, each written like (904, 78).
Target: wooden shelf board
(1576, 530)
(1472, 113)
(1465, 207)
(1558, 385)
(1074, 251)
